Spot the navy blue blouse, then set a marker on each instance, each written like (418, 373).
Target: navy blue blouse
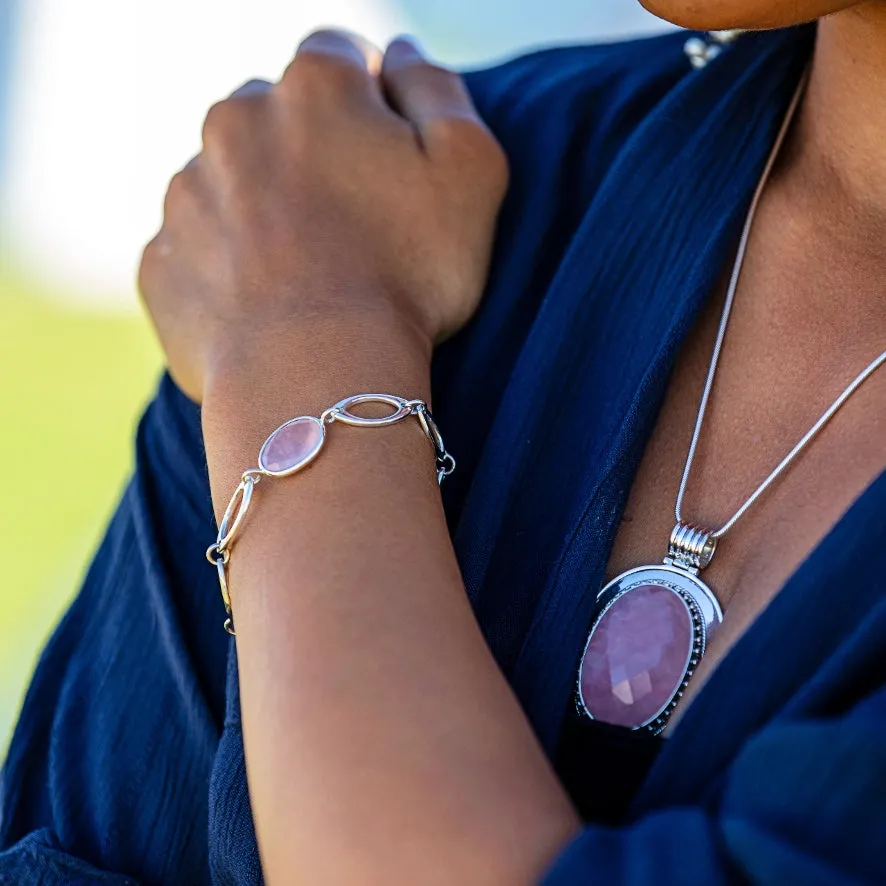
(631, 177)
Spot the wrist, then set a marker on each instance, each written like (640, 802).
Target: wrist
(257, 385)
(310, 358)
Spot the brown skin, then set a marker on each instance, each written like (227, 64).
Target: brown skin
(713, 15)
(318, 247)
(266, 229)
(280, 283)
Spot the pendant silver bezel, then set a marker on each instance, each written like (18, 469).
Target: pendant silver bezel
(667, 575)
(705, 615)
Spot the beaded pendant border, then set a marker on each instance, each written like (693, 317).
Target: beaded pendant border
(651, 631)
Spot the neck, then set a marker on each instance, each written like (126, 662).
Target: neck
(842, 130)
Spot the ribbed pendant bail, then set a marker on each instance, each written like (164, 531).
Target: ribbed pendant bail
(691, 547)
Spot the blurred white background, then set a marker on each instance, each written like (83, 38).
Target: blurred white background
(106, 99)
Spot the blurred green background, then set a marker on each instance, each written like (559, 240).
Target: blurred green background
(72, 385)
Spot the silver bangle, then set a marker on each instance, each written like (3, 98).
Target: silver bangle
(293, 446)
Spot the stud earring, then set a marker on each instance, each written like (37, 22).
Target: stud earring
(703, 50)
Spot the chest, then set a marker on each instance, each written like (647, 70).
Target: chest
(793, 344)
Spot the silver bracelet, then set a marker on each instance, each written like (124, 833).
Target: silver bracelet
(293, 446)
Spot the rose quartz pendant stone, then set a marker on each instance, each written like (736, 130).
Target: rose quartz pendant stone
(640, 653)
(292, 446)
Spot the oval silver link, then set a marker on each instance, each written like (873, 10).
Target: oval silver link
(341, 411)
(235, 512)
(432, 432)
(221, 566)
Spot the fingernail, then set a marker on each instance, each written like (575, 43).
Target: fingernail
(406, 50)
(333, 41)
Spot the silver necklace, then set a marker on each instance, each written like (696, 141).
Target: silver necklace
(653, 622)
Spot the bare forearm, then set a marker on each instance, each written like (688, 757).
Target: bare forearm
(334, 225)
(382, 743)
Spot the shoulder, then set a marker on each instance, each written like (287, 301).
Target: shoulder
(598, 93)
(582, 66)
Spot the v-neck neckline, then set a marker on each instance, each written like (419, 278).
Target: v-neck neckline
(716, 709)
(705, 195)
(636, 280)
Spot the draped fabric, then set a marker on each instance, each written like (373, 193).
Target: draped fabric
(631, 175)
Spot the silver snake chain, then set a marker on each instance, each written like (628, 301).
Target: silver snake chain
(813, 432)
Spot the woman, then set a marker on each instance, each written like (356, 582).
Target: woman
(401, 690)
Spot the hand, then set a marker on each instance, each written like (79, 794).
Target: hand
(351, 192)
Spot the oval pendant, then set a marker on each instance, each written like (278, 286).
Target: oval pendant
(651, 630)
